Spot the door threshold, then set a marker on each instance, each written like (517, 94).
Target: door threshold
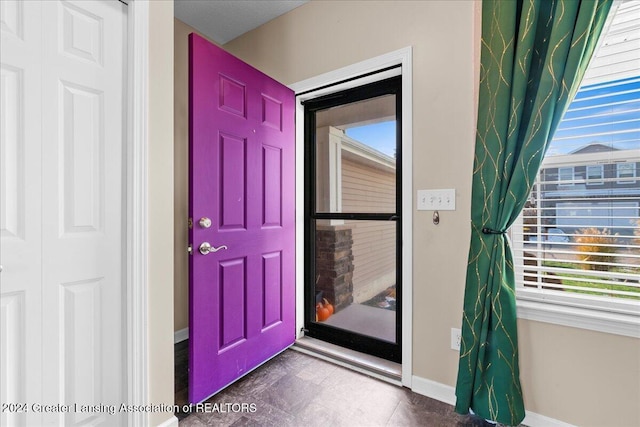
(367, 364)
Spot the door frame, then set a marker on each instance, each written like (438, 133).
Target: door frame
(137, 211)
(344, 78)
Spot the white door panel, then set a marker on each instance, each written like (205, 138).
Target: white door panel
(62, 204)
(20, 209)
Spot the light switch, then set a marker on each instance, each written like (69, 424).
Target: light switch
(437, 200)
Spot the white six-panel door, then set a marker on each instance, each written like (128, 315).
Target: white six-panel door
(62, 112)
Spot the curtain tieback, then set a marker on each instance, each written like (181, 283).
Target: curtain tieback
(487, 230)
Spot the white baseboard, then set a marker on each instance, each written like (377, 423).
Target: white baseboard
(438, 391)
(447, 394)
(181, 335)
(534, 420)
(171, 422)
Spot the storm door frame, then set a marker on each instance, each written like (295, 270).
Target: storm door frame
(342, 337)
(352, 75)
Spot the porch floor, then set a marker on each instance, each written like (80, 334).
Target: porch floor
(366, 320)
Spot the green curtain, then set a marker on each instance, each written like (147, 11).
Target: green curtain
(533, 56)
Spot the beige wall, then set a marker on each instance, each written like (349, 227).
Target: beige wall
(577, 376)
(160, 227)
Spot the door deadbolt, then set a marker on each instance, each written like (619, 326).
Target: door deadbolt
(204, 222)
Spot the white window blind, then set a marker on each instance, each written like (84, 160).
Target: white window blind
(582, 240)
(578, 239)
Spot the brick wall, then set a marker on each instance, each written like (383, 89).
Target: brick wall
(334, 264)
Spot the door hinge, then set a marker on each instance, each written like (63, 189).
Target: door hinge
(190, 249)
(190, 223)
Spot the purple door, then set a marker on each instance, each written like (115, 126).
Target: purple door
(241, 298)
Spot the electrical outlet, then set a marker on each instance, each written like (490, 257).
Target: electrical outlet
(456, 337)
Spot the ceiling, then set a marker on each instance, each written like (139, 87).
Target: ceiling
(224, 20)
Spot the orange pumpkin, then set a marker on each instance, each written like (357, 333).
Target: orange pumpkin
(328, 305)
(322, 312)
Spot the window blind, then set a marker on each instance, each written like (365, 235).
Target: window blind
(580, 230)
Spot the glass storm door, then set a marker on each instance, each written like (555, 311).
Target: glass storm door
(353, 218)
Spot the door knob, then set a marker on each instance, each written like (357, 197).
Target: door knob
(206, 248)
(204, 222)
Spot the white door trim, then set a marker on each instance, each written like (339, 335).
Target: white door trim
(137, 214)
(311, 88)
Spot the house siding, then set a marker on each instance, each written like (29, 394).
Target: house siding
(365, 189)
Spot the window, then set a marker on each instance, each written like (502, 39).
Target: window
(577, 242)
(565, 176)
(626, 173)
(595, 174)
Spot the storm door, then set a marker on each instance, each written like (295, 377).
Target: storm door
(353, 217)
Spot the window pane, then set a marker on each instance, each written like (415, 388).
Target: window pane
(595, 174)
(355, 271)
(565, 176)
(626, 172)
(355, 157)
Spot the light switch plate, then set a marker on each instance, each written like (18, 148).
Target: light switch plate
(437, 200)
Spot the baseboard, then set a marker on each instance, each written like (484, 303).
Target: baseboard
(447, 394)
(438, 391)
(171, 422)
(534, 420)
(181, 335)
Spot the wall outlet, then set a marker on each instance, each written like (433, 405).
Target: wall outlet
(456, 337)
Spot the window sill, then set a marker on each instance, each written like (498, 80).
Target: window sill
(579, 317)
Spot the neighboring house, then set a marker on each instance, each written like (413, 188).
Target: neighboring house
(591, 174)
(580, 193)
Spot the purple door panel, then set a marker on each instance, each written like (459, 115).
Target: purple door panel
(242, 296)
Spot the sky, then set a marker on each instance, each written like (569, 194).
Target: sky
(605, 113)
(380, 136)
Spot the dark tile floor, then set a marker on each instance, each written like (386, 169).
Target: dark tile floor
(295, 389)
